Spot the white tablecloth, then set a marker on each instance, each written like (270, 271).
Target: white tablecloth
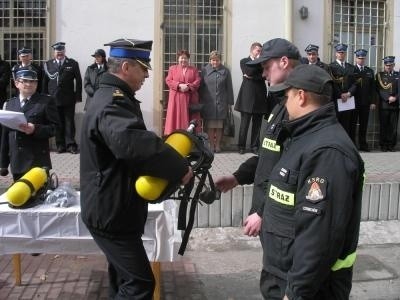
(47, 229)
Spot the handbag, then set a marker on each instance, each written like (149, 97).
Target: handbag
(229, 124)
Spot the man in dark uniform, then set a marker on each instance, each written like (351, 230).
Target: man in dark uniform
(278, 59)
(251, 101)
(25, 61)
(5, 74)
(365, 97)
(28, 146)
(344, 88)
(116, 149)
(387, 86)
(313, 57)
(312, 212)
(63, 81)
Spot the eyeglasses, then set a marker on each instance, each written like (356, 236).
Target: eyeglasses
(27, 81)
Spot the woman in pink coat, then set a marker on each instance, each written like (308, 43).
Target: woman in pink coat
(183, 81)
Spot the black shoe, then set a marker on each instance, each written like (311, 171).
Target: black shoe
(72, 149)
(60, 149)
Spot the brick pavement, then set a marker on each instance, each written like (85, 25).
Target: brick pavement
(85, 277)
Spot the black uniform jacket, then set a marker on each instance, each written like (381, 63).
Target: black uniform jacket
(313, 205)
(365, 94)
(387, 84)
(116, 149)
(91, 80)
(65, 84)
(343, 79)
(257, 169)
(5, 74)
(23, 151)
(252, 97)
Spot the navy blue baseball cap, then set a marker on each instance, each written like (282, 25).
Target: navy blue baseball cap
(361, 53)
(389, 60)
(307, 77)
(26, 73)
(24, 51)
(132, 48)
(311, 48)
(341, 48)
(276, 48)
(59, 46)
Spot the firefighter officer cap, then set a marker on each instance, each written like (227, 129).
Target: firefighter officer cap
(24, 51)
(59, 46)
(389, 60)
(26, 73)
(361, 53)
(133, 49)
(341, 48)
(311, 48)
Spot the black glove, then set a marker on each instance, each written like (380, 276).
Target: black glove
(3, 171)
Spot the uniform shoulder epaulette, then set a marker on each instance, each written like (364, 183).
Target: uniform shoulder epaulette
(117, 94)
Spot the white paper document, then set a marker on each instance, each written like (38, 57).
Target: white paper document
(348, 105)
(12, 119)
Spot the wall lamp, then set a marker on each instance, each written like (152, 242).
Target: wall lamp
(303, 12)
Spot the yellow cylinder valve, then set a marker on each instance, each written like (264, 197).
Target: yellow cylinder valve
(150, 188)
(22, 190)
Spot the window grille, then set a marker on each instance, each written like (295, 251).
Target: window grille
(194, 25)
(23, 23)
(362, 24)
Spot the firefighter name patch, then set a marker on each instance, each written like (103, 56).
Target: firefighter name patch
(281, 196)
(271, 145)
(316, 189)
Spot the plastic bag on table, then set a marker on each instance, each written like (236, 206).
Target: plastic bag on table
(63, 196)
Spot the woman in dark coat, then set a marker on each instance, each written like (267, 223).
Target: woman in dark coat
(251, 101)
(93, 74)
(216, 92)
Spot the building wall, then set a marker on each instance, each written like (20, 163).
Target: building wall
(86, 25)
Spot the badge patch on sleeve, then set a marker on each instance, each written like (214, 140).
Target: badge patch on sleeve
(316, 189)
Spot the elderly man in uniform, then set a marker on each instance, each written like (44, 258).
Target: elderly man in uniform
(312, 212)
(25, 61)
(63, 81)
(28, 146)
(365, 97)
(313, 57)
(344, 87)
(387, 86)
(116, 148)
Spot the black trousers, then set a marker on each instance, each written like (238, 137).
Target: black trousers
(256, 120)
(388, 119)
(361, 114)
(336, 287)
(348, 120)
(129, 268)
(65, 133)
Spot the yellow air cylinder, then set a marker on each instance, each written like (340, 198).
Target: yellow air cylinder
(150, 188)
(20, 192)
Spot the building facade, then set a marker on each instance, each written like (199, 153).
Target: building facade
(200, 26)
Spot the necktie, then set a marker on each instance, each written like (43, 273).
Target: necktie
(23, 102)
(59, 64)
(343, 65)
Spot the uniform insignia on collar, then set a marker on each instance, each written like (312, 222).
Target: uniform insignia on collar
(118, 94)
(316, 189)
